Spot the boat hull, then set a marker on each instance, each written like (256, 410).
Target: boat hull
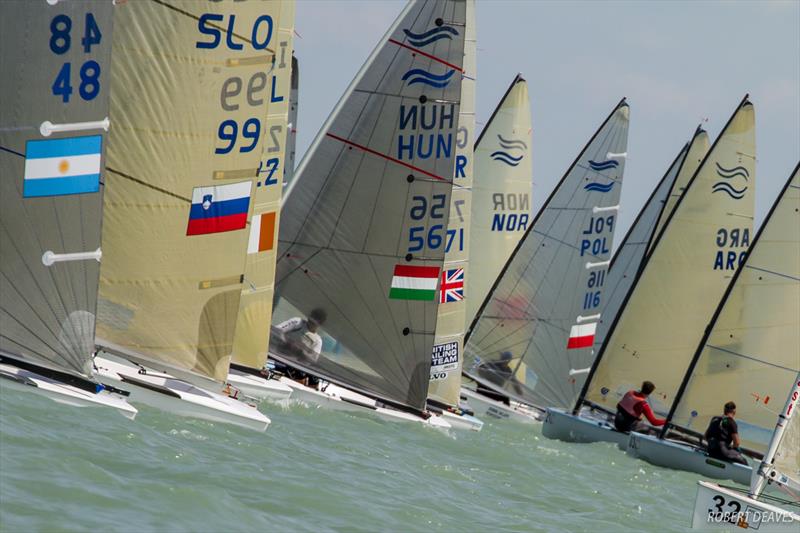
(561, 425)
(462, 421)
(166, 393)
(259, 388)
(721, 508)
(341, 399)
(485, 407)
(29, 381)
(680, 456)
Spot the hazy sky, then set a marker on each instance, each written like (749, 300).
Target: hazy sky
(678, 62)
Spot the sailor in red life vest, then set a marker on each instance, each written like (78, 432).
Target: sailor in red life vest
(631, 408)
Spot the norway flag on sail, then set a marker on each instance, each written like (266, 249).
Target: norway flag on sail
(219, 208)
(581, 336)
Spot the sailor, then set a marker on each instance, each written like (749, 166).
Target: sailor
(301, 337)
(722, 436)
(500, 372)
(631, 408)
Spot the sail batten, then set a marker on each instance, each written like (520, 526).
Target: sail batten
(527, 352)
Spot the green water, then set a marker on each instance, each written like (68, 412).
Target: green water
(65, 468)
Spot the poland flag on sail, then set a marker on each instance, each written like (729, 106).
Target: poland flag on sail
(55, 167)
(581, 335)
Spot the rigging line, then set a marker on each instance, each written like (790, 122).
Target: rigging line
(148, 185)
(10, 151)
(773, 272)
(751, 358)
(429, 56)
(317, 249)
(211, 24)
(383, 156)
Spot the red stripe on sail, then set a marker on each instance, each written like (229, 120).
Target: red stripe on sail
(202, 226)
(580, 342)
(429, 56)
(409, 271)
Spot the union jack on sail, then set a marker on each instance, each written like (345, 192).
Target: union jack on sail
(452, 287)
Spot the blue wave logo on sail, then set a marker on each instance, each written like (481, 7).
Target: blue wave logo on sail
(508, 145)
(603, 165)
(599, 187)
(731, 174)
(418, 75)
(427, 37)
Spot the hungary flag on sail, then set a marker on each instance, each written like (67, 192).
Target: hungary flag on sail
(219, 208)
(581, 335)
(414, 282)
(62, 166)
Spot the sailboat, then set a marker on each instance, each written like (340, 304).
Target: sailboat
(689, 267)
(179, 189)
(748, 355)
(362, 237)
(718, 507)
(501, 207)
(52, 142)
(637, 244)
(538, 319)
(251, 341)
(447, 355)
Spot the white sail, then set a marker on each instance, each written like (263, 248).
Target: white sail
(189, 96)
(501, 193)
(688, 270)
(631, 253)
(53, 121)
(251, 340)
(362, 234)
(750, 355)
(537, 322)
(448, 349)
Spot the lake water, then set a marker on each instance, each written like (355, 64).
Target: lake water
(65, 468)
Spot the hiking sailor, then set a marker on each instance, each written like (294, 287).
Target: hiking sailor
(631, 408)
(301, 337)
(723, 436)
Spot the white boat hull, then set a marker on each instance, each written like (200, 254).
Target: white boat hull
(680, 456)
(485, 407)
(166, 393)
(720, 508)
(561, 425)
(257, 387)
(29, 381)
(341, 399)
(462, 421)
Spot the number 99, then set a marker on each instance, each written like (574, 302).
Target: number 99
(229, 130)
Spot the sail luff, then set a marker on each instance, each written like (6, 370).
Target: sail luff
(251, 340)
(448, 350)
(692, 213)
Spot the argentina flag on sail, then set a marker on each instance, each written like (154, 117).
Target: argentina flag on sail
(55, 167)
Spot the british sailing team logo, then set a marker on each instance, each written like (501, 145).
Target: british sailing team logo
(441, 31)
(508, 148)
(599, 166)
(730, 176)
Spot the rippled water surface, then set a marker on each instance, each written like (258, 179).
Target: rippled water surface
(66, 468)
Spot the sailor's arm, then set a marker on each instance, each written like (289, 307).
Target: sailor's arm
(648, 412)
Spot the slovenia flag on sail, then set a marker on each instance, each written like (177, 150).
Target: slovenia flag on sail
(219, 208)
(54, 167)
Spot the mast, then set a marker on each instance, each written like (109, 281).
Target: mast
(649, 259)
